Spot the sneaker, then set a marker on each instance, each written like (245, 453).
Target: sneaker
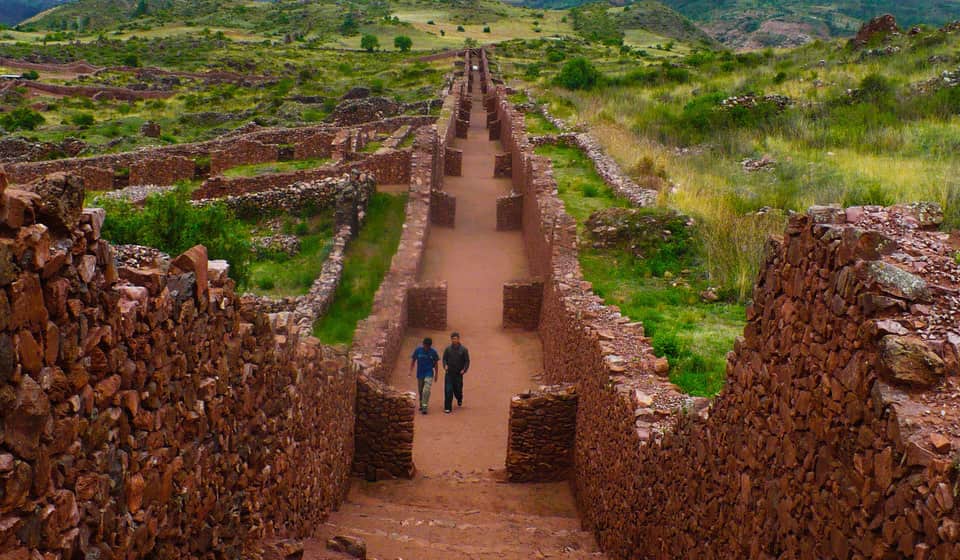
(423, 411)
(447, 411)
(459, 403)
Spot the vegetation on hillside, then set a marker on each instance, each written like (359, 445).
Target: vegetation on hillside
(860, 128)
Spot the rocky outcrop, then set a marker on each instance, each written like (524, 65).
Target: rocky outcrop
(357, 111)
(879, 27)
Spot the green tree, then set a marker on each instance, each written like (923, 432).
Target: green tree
(369, 42)
(21, 118)
(578, 73)
(402, 43)
(142, 9)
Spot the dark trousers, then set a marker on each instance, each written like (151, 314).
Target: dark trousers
(452, 387)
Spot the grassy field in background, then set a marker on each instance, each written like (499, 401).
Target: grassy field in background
(366, 264)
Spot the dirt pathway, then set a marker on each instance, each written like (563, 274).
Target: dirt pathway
(458, 506)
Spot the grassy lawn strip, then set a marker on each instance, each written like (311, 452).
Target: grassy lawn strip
(583, 191)
(538, 125)
(275, 167)
(662, 291)
(366, 264)
(280, 275)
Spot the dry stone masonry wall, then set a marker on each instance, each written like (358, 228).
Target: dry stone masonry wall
(143, 414)
(837, 434)
(543, 424)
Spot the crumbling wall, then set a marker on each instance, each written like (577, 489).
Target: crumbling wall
(543, 424)
(142, 414)
(837, 432)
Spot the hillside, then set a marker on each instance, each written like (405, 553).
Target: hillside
(15, 11)
(763, 23)
(598, 21)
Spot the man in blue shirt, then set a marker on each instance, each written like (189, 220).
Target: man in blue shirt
(426, 360)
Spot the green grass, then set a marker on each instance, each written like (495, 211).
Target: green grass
(275, 167)
(583, 191)
(282, 275)
(372, 147)
(662, 291)
(365, 266)
(538, 125)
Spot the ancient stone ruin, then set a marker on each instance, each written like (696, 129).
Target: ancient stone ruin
(148, 411)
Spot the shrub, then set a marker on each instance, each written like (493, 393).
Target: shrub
(578, 73)
(590, 191)
(172, 224)
(780, 78)
(30, 75)
(430, 22)
(402, 43)
(555, 56)
(486, 29)
(369, 42)
(460, 28)
(21, 118)
(82, 120)
(130, 60)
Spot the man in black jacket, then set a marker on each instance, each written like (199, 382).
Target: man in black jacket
(456, 362)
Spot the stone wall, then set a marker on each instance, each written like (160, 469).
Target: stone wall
(384, 441)
(242, 152)
(378, 338)
(312, 136)
(427, 306)
(291, 199)
(836, 433)
(605, 166)
(453, 162)
(166, 171)
(93, 92)
(443, 209)
(502, 165)
(543, 424)
(509, 211)
(389, 167)
(147, 417)
(521, 305)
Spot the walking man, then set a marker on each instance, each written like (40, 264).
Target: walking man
(426, 360)
(456, 362)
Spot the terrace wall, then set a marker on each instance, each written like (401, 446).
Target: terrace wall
(819, 446)
(150, 417)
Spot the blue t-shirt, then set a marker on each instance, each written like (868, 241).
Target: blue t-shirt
(425, 360)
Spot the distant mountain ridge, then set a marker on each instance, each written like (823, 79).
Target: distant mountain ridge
(15, 11)
(778, 23)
